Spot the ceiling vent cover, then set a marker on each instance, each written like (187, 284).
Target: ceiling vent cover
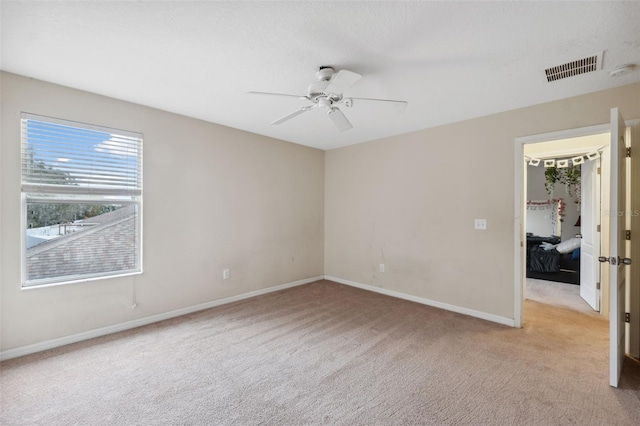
(573, 68)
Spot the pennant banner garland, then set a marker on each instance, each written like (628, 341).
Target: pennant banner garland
(577, 160)
(563, 163)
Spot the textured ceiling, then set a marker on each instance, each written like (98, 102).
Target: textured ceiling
(450, 60)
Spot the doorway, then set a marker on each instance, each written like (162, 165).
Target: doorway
(563, 220)
(560, 145)
(622, 195)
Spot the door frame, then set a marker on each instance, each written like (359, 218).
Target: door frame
(519, 241)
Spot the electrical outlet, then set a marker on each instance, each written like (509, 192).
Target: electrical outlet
(382, 267)
(481, 224)
(226, 274)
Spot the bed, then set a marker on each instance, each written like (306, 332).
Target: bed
(558, 261)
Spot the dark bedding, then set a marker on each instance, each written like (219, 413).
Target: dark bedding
(541, 260)
(551, 265)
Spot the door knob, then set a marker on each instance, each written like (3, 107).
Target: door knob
(615, 260)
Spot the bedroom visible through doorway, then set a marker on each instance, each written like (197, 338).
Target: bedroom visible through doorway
(618, 293)
(563, 220)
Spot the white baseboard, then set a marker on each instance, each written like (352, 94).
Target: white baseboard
(74, 338)
(465, 311)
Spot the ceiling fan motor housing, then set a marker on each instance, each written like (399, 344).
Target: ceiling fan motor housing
(318, 90)
(325, 73)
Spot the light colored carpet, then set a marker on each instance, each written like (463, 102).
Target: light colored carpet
(325, 353)
(558, 294)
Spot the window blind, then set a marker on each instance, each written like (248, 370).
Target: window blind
(71, 158)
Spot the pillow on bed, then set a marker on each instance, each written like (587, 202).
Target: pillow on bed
(568, 246)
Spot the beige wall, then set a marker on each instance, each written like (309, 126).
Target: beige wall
(410, 202)
(219, 198)
(214, 198)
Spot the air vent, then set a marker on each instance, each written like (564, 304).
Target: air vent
(573, 68)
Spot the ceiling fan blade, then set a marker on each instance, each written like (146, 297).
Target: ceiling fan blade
(342, 80)
(277, 94)
(290, 116)
(339, 119)
(401, 105)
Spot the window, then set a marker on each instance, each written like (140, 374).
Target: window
(82, 199)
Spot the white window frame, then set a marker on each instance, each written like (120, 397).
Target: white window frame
(74, 194)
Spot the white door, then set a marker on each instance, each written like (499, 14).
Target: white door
(590, 243)
(617, 238)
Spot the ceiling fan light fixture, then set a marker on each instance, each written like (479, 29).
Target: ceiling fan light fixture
(325, 103)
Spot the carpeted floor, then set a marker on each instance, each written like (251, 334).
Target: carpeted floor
(561, 295)
(325, 353)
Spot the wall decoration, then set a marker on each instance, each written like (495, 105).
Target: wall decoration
(577, 160)
(559, 162)
(565, 171)
(544, 218)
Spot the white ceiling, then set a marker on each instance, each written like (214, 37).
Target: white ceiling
(450, 60)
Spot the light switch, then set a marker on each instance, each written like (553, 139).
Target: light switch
(481, 224)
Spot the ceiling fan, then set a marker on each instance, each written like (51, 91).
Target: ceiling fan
(327, 93)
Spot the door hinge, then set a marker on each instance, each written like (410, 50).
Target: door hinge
(598, 171)
(627, 317)
(598, 228)
(628, 152)
(627, 235)
(597, 286)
